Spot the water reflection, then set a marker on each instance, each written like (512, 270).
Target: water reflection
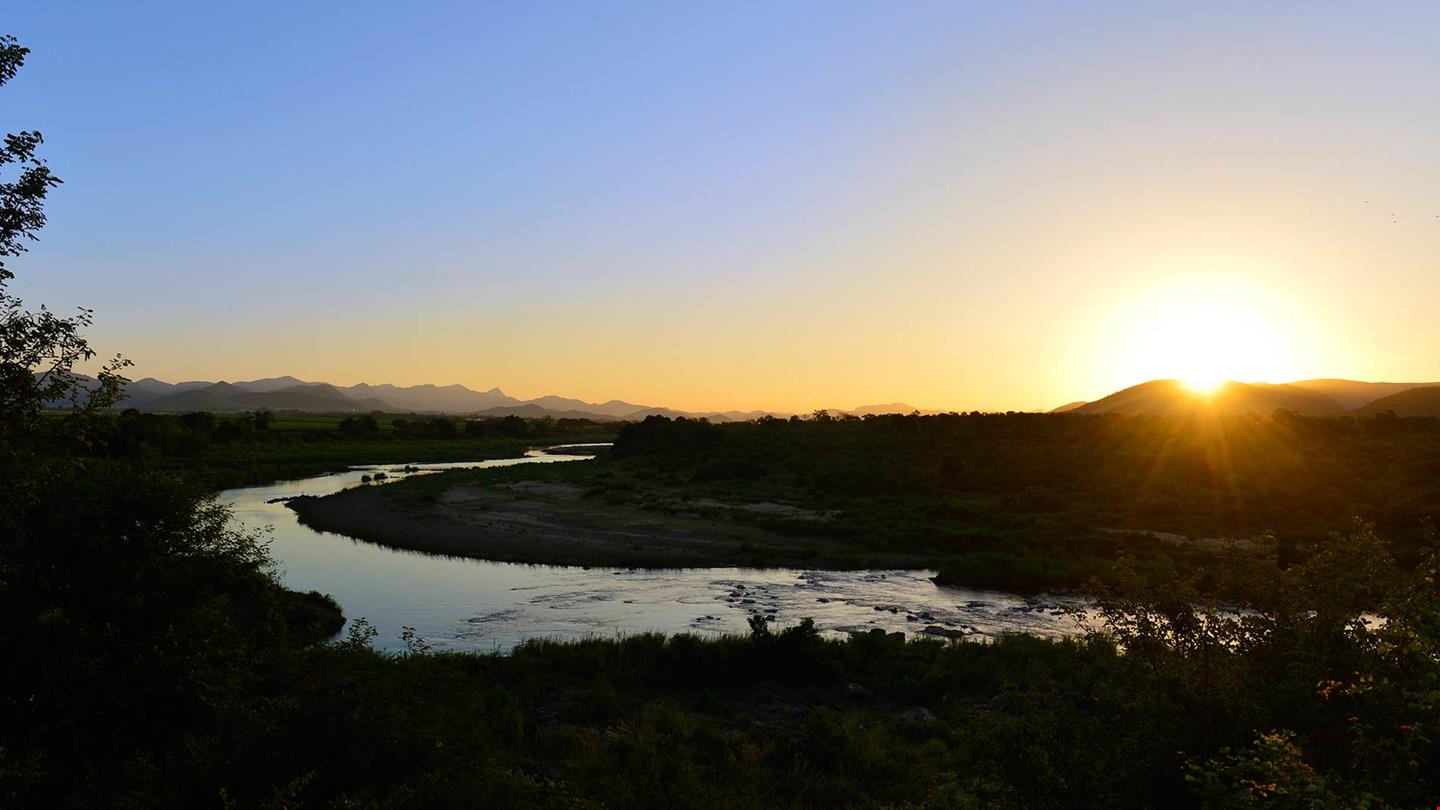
(464, 604)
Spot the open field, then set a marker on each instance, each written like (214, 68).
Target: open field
(222, 451)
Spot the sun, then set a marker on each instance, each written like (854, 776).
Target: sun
(1201, 356)
(1202, 384)
(1203, 331)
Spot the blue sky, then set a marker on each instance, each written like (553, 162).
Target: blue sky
(728, 205)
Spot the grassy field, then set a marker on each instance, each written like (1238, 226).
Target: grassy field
(299, 455)
(228, 450)
(303, 455)
(315, 421)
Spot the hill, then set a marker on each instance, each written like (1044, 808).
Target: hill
(880, 410)
(225, 396)
(530, 410)
(1173, 398)
(291, 393)
(1421, 401)
(432, 398)
(1352, 394)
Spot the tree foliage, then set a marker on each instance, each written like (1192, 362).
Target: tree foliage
(140, 625)
(38, 349)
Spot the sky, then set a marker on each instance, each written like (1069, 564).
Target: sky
(785, 206)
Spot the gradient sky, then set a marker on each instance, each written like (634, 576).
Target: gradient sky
(742, 205)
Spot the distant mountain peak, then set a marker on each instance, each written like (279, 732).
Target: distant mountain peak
(889, 407)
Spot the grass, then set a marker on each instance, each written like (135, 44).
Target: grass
(783, 719)
(314, 421)
(566, 518)
(715, 522)
(299, 454)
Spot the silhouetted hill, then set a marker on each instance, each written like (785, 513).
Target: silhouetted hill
(140, 393)
(530, 410)
(212, 397)
(1352, 394)
(1069, 406)
(272, 384)
(891, 407)
(1421, 401)
(224, 396)
(745, 416)
(290, 393)
(620, 409)
(150, 388)
(615, 408)
(433, 398)
(1172, 398)
(309, 397)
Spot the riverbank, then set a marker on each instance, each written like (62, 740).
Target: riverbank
(553, 523)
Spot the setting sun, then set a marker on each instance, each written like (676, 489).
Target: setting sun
(1204, 329)
(1202, 384)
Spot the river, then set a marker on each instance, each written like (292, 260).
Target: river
(465, 604)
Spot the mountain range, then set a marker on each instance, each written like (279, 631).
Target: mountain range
(292, 394)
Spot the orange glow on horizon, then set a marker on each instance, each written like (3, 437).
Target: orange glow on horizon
(1204, 329)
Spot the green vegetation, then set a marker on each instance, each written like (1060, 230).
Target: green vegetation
(1027, 501)
(1291, 706)
(220, 451)
(1019, 502)
(541, 515)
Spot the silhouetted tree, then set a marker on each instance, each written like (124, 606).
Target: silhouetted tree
(137, 618)
(363, 426)
(199, 422)
(38, 349)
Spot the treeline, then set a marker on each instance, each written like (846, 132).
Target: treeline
(135, 434)
(1299, 477)
(512, 427)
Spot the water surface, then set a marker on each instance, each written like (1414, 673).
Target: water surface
(464, 604)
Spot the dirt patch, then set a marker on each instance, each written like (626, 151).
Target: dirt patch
(1174, 539)
(761, 508)
(545, 489)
